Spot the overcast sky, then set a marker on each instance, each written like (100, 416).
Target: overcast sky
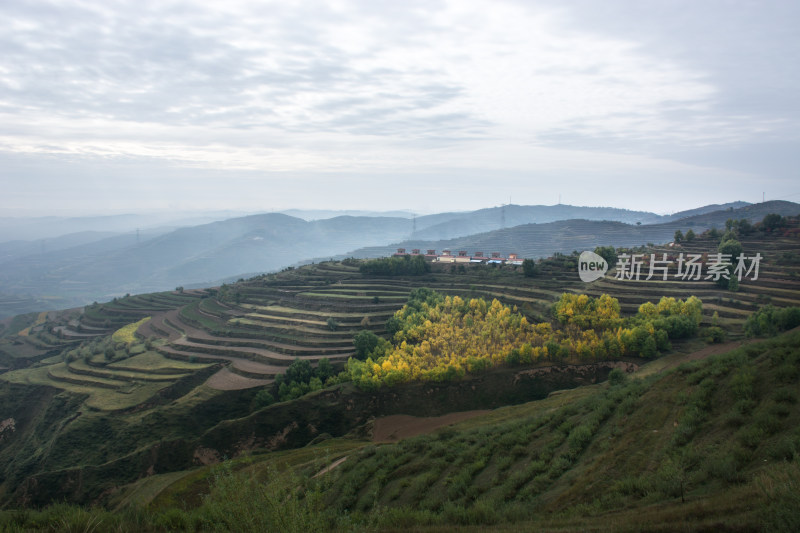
(426, 106)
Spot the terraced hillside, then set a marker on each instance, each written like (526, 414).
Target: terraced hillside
(248, 332)
(96, 405)
(778, 280)
(313, 312)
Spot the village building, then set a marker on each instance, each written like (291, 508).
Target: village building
(462, 256)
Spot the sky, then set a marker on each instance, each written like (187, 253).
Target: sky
(427, 106)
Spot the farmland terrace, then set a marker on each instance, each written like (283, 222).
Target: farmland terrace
(243, 335)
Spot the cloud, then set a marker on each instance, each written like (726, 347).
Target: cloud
(360, 87)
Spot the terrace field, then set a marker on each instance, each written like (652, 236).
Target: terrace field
(186, 389)
(256, 328)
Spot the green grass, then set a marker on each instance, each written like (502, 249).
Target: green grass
(152, 361)
(402, 297)
(593, 458)
(628, 451)
(720, 433)
(598, 458)
(288, 311)
(116, 373)
(121, 395)
(19, 323)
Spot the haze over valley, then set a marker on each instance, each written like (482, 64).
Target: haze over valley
(92, 265)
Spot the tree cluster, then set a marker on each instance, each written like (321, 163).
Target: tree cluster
(770, 320)
(404, 265)
(301, 378)
(441, 338)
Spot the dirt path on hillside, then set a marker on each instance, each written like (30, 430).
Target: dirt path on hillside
(330, 467)
(227, 380)
(397, 427)
(708, 351)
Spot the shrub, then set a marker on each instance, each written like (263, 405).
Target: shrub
(725, 466)
(262, 398)
(781, 490)
(714, 335)
(580, 437)
(750, 436)
(617, 377)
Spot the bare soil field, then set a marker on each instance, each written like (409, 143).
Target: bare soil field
(227, 380)
(398, 427)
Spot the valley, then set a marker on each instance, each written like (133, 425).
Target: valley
(133, 404)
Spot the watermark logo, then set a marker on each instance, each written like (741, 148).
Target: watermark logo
(689, 266)
(591, 267)
(684, 267)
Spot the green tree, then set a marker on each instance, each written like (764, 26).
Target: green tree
(324, 369)
(744, 227)
(529, 268)
(733, 248)
(772, 221)
(690, 236)
(262, 399)
(393, 325)
(396, 266)
(365, 341)
(678, 236)
(300, 371)
(609, 253)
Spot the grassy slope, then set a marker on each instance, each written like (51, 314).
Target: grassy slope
(713, 444)
(155, 433)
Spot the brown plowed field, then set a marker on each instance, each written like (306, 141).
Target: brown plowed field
(397, 427)
(227, 380)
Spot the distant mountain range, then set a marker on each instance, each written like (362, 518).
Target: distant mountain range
(320, 214)
(102, 269)
(450, 225)
(81, 267)
(541, 240)
(49, 227)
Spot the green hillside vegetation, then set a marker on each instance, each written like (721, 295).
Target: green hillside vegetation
(439, 338)
(405, 265)
(256, 369)
(712, 444)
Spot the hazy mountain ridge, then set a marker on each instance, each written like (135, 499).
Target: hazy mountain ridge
(228, 249)
(321, 214)
(706, 209)
(541, 240)
(13, 249)
(452, 225)
(197, 254)
(50, 227)
(483, 220)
